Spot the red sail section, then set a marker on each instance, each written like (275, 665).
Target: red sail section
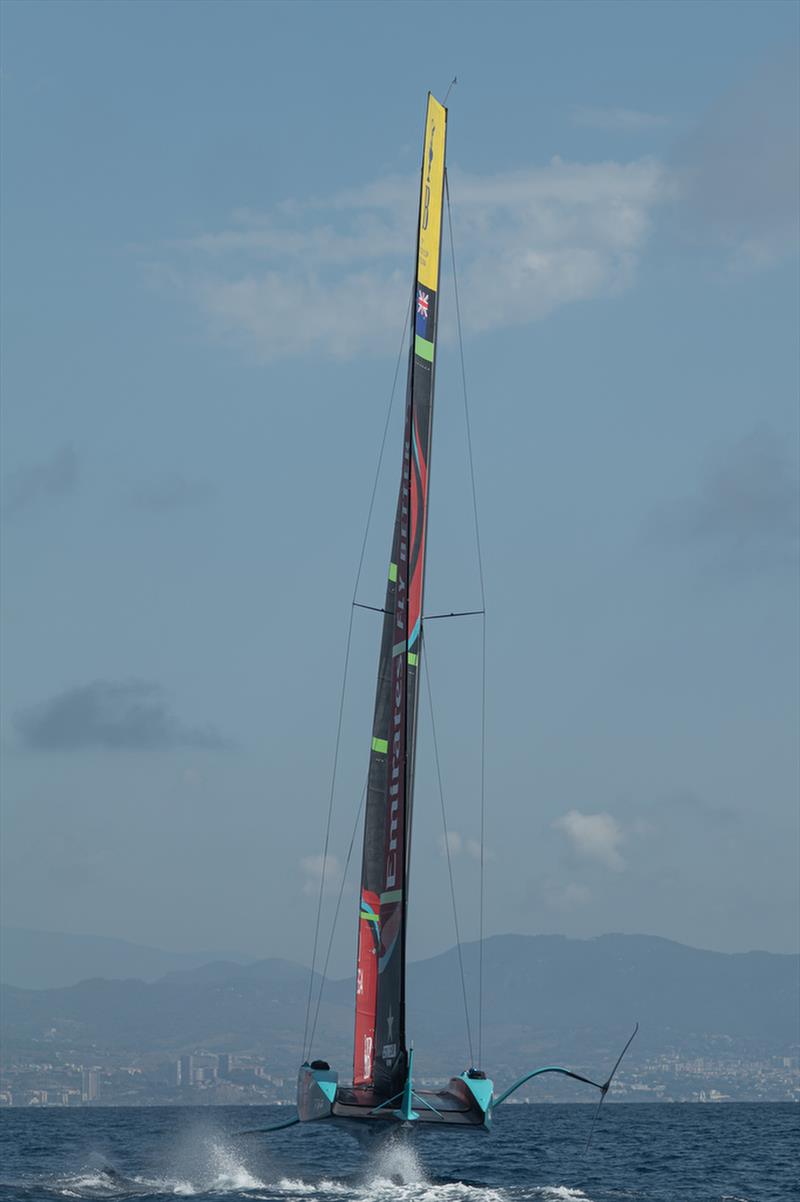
(380, 1043)
(366, 987)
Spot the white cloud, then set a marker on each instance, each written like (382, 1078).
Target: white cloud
(594, 837)
(333, 275)
(453, 843)
(458, 845)
(311, 868)
(617, 118)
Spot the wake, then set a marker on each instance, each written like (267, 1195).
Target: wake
(210, 1167)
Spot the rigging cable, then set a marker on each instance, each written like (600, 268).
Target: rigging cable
(425, 669)
(327, 831)
(344, 678)
(483, 619)
(406, 323)
(336, 911)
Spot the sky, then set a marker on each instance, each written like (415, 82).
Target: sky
(208, 222)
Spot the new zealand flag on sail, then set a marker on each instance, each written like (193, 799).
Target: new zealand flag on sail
(425, 306)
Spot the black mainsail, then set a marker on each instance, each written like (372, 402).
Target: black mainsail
(380, 1058)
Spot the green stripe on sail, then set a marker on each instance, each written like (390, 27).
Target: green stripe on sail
(423, 348)
(392, 571)
(412, 658)
(380, 745)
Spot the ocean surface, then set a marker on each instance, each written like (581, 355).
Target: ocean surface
(647, 1153)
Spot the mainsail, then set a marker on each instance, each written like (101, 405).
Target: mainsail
(380, 1059)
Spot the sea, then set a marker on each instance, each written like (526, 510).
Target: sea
(735, 1152)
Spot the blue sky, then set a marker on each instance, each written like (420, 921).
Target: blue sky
(207, 222)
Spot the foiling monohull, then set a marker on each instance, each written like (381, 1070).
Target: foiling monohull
(382, 1090)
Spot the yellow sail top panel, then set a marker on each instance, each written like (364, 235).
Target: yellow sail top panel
(430, 214)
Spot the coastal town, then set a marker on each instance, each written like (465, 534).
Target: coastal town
(203, 1078)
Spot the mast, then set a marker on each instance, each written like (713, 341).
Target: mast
(380, 1055)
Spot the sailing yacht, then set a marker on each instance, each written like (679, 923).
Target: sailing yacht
(382, 1089)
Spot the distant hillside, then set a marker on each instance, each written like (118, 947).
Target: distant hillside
(544, 996)
(565, 984)
(49, 959)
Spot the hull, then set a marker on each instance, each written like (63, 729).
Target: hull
(465, 1104)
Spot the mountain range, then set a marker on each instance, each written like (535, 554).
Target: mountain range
(544, 996)
(50, 959)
